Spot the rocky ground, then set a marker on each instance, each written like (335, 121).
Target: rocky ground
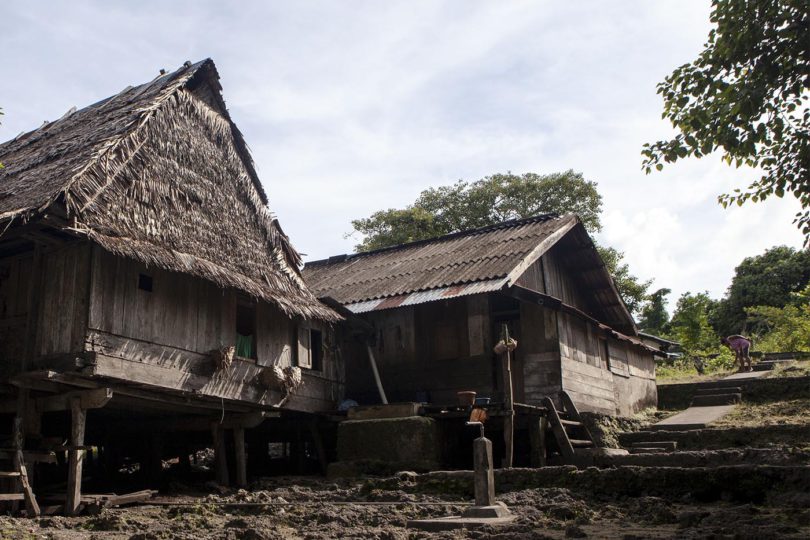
(747, 477)
(379, 508)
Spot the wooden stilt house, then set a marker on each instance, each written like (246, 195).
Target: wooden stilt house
(437, 307)
(143, 277)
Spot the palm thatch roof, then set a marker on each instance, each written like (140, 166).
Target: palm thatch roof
(159, 173)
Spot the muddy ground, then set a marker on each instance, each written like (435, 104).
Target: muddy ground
(317, 508)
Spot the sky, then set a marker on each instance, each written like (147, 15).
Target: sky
(354, 106)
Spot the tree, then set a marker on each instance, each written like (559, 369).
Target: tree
(746, 95)
(764, 280)
(632, 290)
(493, 199)
(654, 317)
(786, 328)
(690, 324)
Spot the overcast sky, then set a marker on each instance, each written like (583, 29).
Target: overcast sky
(352, 106)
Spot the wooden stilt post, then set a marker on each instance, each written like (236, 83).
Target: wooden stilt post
(241, 461)
(220, 459)
(78, 418)
(317, 440)
(537, 440)
(509, 419)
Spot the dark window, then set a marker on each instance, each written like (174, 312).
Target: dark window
(246, 330)
(145, 282)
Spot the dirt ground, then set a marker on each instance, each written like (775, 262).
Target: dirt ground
(317, 509)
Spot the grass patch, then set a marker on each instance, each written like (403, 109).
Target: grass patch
(793, 411)
(797, 368)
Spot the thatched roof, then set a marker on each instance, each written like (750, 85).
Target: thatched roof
(159, 173)
(469, 262)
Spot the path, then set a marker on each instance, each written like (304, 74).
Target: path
(709, 404)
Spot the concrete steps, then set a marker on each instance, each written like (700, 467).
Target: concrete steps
(670, 446)
(711, 400)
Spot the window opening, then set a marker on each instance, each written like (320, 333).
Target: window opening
(145, 282)
(246, 330)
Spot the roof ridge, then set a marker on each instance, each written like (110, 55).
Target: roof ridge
(458, 234)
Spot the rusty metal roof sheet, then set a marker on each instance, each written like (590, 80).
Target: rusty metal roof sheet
(485, 256)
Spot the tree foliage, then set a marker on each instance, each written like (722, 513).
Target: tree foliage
(654, 318)
(786, 328)
(764, 280)
(632, 290)
(496, 198)
(746, 96)
(493, 199)
(690, 324)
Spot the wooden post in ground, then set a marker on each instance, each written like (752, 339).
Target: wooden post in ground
(317, 440)
(78, 417)
(241, 461)
(484, 474)
(509, 419)
(537, 440)
(220, 459)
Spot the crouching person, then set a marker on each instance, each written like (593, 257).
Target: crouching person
(741, 346)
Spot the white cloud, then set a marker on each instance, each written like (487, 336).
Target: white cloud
(354, 106)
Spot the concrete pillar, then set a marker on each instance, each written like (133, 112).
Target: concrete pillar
(484, 473)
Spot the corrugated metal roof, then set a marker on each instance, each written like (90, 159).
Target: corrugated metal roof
(470, 257)
(422, 297)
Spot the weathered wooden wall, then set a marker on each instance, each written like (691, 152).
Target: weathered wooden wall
(538, 353)
(88, 300)
(59, 287)
(426, 352)
(165, 336)
(604, 374)
(601, 375)
(15, 277)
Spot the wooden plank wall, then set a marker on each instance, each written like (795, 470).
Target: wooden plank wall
(538, 354)
(584, 375)
(164, 337)
(15, 276)
(62, 318)
(559, 282)
(427, 351)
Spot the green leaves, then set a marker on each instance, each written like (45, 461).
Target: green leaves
(496, 198)
(747, 95)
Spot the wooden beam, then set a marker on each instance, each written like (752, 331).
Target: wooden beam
(317, 439)
(88, 399)
(31, 506)
(74, 484)
(539, 249)
(537, 441)
(220, 459)
(241, 460)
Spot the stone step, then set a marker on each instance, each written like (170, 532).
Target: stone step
(712, 400)
(646, 450)
(664, 445)
(579, 443)
(718, 390)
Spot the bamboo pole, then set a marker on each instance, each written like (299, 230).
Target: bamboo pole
(376, 373)
(509, 419)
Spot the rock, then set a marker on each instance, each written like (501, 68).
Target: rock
(572, 531)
